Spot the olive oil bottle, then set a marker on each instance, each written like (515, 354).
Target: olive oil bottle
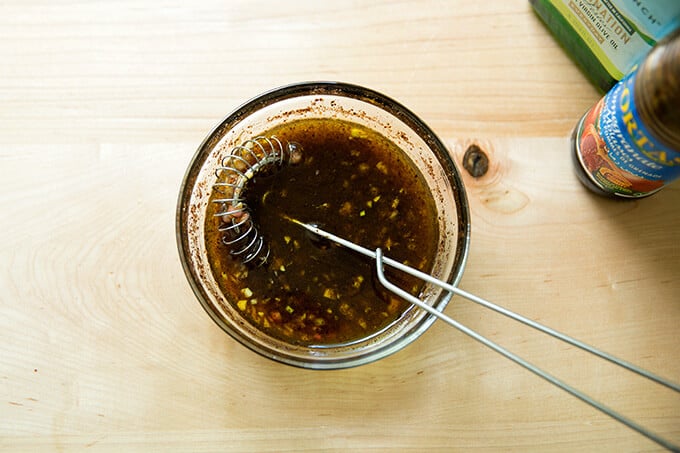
(606, 38)
(628, 144)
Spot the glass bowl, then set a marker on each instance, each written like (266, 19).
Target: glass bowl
(350, 103)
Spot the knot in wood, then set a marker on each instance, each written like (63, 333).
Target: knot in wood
(475, 161)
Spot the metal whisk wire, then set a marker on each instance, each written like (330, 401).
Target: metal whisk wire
(382, 260)
(238, 167)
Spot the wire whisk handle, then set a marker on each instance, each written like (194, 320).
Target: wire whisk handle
(381, 261)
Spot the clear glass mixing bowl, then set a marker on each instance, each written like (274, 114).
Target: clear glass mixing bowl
(350, 103)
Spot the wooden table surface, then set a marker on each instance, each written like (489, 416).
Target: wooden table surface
(102, 342)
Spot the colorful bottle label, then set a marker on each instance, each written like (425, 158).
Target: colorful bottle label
(617, 150)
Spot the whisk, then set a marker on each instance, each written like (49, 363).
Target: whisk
(241, 164)
(382, 260)
(244, 241)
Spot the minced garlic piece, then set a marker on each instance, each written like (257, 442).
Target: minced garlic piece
(329, 293)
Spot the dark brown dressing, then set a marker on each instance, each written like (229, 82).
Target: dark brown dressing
(354, 183)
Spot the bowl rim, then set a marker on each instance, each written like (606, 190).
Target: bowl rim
(341, 89)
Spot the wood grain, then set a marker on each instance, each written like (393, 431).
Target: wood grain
(103, 345)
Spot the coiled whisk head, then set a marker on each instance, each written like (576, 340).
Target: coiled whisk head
(242, 163)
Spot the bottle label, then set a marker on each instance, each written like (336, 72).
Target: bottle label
(618, 151)
(620, 32)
